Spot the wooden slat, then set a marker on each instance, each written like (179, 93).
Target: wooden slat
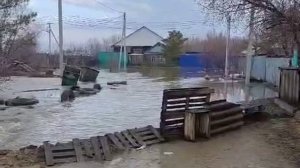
(167, 128)
(145, 138)
(170, 115)
(215, 102)
(78, 150)
(227, 119)
(65, 160)
(105, 148)
(122, 139)
(156, 133)
(226, 112)
(227, 127)
(130, 139)
(141, 129)
(184, 101)
(115, 141)
(177, 106)
(221, 106)
(185, 106)
(136, 137)
(148, 132)
(177, 102)
(173, 122)
(64, 154)
(63, 146)
(96, 147)
(155, 141)
(48, 154)
(88, 148)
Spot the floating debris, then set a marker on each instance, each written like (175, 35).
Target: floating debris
(117, 83)
(18, 101)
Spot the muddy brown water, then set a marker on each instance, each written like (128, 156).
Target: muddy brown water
(113, 109)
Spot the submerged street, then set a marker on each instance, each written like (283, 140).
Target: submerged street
(113, 109)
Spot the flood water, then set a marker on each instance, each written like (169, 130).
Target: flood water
(113, 109)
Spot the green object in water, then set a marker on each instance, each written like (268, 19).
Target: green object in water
(70, 76)
(295, 62)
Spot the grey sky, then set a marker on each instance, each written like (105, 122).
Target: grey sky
(86, 19)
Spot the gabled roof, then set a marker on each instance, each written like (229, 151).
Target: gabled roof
(157, 48)
(141, 38)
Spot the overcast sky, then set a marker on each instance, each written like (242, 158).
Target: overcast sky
(85, 19)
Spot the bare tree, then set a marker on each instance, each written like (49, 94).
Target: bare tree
(94, 47)
(108, 42)
(14, 19)
(215, 44)
(276, 17)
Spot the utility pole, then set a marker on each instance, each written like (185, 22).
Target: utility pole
(124, 43)
(49, 52)
(49, 31)
(121, 52)
(228, 18)
(61, 38)
(250, 47)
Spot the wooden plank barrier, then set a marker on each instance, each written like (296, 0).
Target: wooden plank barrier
(216, 117)
(224, 116)
(175, 103)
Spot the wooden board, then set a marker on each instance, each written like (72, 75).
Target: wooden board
(122, 139)
(130, 139)
(88, 149)
(96, 147)
(59, 153)
(115, 141)
(78, 150)
(105, 148)
(149, 135)
(48, 154)
(137, 138)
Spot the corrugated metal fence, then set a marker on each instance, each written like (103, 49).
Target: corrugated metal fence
(265, 68)
(290, 85)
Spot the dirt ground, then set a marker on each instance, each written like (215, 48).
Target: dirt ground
(269, 143)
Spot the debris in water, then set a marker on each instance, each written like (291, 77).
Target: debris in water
(142, 147)
(117, 83)
(168, 153)
(39, 90)
(18, 101)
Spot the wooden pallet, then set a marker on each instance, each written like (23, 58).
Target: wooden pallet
(175, 103)
(148, 135)
(224, 116)
(96, 148)
(100, 148)
(59, 153)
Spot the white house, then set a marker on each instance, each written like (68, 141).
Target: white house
(139, 44)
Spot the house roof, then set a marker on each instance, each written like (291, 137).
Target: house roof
(141, 38)
(157, 48)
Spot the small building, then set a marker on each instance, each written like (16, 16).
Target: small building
(144, 46)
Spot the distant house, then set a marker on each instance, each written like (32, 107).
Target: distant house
(144, 46)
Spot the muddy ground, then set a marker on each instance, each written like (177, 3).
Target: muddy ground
(265, 143)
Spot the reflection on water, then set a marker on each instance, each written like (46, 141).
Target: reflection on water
(113, 109)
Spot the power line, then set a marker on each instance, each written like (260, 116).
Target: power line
(106, 6)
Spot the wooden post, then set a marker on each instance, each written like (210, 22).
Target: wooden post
(204, 125)
(189, 126)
